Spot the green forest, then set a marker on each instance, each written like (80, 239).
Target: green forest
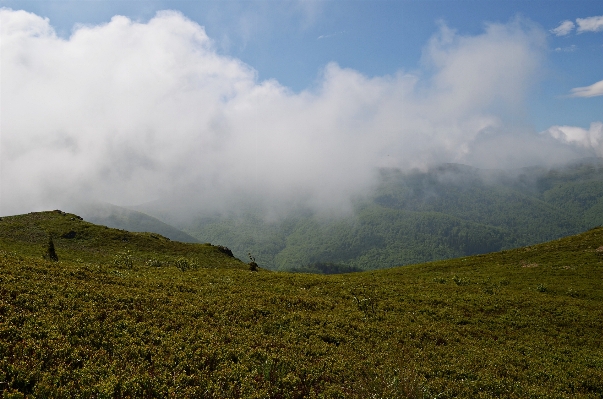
(419, 216)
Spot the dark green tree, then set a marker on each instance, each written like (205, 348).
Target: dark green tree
(50, 252)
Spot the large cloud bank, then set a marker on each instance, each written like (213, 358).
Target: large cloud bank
(128, 112)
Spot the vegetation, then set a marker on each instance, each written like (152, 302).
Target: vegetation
(77, 240)
(325, 268)
(50, 252)
(116, 316)
(446, 212)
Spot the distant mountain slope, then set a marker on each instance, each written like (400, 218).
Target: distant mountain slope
(127, 219)
(448, 211)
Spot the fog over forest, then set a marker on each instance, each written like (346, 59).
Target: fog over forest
(129, 112)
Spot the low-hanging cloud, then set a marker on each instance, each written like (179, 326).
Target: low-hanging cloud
(591, 139)
(128, 112)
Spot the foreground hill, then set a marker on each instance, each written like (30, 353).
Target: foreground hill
(520, 323)
(81, 241)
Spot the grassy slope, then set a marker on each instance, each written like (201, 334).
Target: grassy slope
(519, 323)
(78, 240)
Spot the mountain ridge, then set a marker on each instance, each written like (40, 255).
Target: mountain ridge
(127, 219)
(448, 211)
(413, 216)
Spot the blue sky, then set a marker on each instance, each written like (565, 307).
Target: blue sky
(129, 109)
(292, 41)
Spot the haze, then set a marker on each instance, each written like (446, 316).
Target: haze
(129, 112)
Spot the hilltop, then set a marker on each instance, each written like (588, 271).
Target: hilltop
(519, 323)
(80, 241)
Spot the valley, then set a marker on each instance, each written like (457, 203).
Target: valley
(409, 217)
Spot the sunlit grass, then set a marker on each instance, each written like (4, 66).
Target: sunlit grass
(520, 323)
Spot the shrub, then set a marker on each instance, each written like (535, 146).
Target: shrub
(252, 265)
(184, 264)
(124, 259)
(366, 305)
(153, 262)
(460, 281)
(225, 250)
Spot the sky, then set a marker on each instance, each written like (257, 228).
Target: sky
(285, 102)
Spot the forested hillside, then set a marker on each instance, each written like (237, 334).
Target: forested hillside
(445, 212)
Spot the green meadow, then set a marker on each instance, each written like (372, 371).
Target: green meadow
(129, 315)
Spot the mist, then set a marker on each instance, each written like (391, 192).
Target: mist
(132, 112)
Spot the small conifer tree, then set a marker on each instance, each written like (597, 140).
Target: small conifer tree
(50, 252)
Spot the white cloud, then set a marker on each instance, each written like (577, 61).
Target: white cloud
(326, 36)
(591, 139)
(590, 24)
(128, 112)
(475, 72)
(564, 28)
(568, 49)
(594, 90)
